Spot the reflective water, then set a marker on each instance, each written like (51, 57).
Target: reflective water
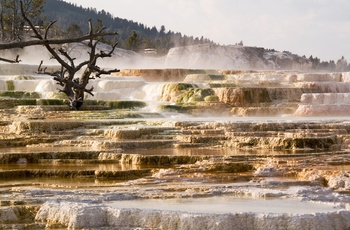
(216, 152)
(228, 204)
(70, 166)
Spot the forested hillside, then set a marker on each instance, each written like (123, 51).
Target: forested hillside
(138, 37)
(132, 35)
(72, 21)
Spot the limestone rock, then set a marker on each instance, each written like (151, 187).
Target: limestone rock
(162, 74)
(17, 214)
(322, 110)
(75, 215)
(72, 215)
(7, 215)
(340, 182)
(243, 97)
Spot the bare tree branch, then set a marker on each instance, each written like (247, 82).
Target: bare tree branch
(48, 28)
(16, 60)
(23, 44)
(74, 87)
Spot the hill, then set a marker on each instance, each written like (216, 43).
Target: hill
(132, 35)
(174, 48)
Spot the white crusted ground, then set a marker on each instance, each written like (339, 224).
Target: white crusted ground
(75, 215)
(97, 209)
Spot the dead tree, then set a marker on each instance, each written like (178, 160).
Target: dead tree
(74, 87)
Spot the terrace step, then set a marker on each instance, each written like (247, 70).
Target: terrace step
(97, 174)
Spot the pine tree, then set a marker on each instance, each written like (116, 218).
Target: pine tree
(12, 25)
(133, 41)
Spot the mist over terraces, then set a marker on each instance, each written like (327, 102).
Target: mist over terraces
(208, 56)
(162, 48)
(142, 46)
(203, 56)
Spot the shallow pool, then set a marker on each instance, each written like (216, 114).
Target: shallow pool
(228, 204)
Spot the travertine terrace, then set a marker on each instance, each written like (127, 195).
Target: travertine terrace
(177, 149)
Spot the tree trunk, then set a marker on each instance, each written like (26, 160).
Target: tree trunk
(2, 38)
(14, 22)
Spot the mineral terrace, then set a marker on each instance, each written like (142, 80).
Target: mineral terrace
(177, 149)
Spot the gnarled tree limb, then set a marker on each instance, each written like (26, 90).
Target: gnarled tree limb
(16, 60)
(73, 87)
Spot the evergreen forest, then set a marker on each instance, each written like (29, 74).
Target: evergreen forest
(72, 21)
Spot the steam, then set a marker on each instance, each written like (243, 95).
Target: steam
(205, 56)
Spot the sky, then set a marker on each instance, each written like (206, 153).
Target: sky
(320, 28)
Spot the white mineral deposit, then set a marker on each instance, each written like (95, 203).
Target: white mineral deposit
(160, 148)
